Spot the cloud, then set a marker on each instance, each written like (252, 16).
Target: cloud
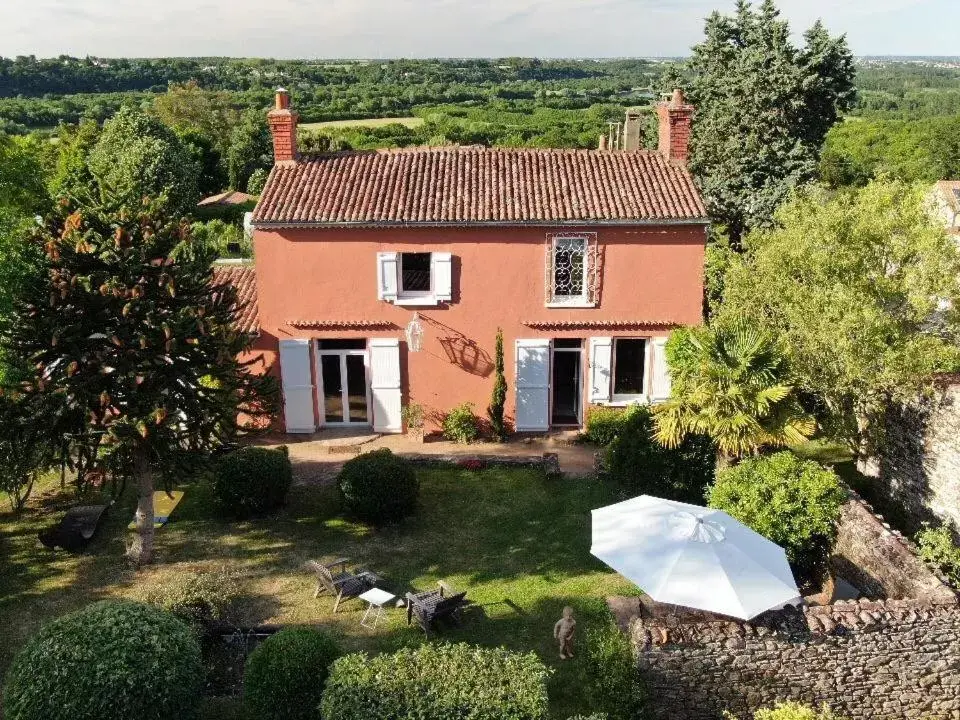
(452, 28)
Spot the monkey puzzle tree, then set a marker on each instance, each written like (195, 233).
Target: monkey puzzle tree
(134, 354)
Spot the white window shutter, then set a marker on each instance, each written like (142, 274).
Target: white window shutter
(387, 275)
(441, 265)
(533, 385)
(660, 382)
(601, 364)
(385, 385)
(297, 381)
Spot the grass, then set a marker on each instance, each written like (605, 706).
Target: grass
(410, 122)
(519, 543)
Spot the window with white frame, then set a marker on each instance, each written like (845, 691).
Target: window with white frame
(571, 270)
(414, 278)
(629, 368)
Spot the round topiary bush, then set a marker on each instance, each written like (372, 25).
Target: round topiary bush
(795, 503)
(285, 675)
(110, 660)
(253, 480)
(198, 597)
(379, 487)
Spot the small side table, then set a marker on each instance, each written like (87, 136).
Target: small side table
(375, 598)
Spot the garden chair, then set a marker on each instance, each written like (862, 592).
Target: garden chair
(432, 606)
(75, 530)
(340, 582)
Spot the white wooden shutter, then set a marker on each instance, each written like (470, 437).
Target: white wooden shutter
(660, 381)
(601, 363)
(385, 384)
(441, 266)
(533, 385)
(297, 382)
(387, 278)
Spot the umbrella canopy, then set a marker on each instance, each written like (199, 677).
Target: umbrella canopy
(693, 556)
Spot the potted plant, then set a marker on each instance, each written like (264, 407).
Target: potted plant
(413, 416)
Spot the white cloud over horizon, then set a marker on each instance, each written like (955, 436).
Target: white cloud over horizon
(439, 28)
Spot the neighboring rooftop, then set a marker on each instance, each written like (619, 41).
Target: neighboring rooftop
(243, 277)
(479, 185)
(230, 197)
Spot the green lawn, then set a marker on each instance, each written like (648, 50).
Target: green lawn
(519, 543)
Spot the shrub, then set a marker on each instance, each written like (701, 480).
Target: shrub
(253, 480)
(258, 178)
(794, 711)
(461, 425)
(110, 660)
(440, 682)
(795, 503)
(939, 550)
(285, 675)
(639, 465)
(604, 424)
(197, 597)
(379, 487)
(614, 683)
(499, 396)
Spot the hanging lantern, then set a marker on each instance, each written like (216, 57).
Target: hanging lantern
(415, 334)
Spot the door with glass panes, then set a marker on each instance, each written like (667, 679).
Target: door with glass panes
(344, 389)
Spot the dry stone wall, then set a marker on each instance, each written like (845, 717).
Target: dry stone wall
(874, 660)
(920, 462)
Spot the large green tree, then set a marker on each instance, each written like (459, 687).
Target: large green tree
(133, 350)
(862, 289)
(137, 156)
(251, 148)
(731, 383)
(764, 106)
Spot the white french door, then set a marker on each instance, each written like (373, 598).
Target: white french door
(533, 385)
(344, 388)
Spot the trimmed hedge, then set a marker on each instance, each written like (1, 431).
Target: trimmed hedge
(604, 424)
(440, 682)
(795, 503)
(379, 487)
(197, 597)
(639, 465)
(794, 711)
(285, 675)
(253, 480)
(112, 660)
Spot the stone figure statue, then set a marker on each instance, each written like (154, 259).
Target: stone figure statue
(563, 632)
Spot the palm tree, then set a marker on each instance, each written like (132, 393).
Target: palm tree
(730, 382)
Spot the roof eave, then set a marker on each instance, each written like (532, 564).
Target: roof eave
(648, 222)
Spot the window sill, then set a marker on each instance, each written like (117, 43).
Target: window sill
(571, 304)
(417, 301)
(625, 401)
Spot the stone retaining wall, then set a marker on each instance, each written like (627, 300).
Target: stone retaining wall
(879, 560)
(880, 660)
(920, 462)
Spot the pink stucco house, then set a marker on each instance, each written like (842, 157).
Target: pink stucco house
(585, 258)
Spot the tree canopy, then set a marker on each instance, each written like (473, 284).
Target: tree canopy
(764, 106)
(137, 156)
(862, 289)
(132, 349)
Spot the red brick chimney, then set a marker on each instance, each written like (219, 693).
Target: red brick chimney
(283, 127)
(676, 119)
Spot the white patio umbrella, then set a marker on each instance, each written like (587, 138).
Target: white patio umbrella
(693, 556)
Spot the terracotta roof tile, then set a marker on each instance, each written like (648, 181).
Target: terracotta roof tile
(243, 277)
(478, 185)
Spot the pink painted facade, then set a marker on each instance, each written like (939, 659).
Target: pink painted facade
(328, 316)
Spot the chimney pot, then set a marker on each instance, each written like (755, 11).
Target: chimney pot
(282, 101)
(676, 120)
(631, 129)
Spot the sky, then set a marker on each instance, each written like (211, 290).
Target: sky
(440, 28)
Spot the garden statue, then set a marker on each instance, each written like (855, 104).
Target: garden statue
(563, 632)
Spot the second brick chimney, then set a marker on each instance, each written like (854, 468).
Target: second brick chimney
(676, 120)
(283, 127)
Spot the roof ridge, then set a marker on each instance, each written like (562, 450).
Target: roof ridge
(425, 149)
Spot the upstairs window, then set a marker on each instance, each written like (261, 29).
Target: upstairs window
(415, 278)
(415, 275)
(571, 270)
